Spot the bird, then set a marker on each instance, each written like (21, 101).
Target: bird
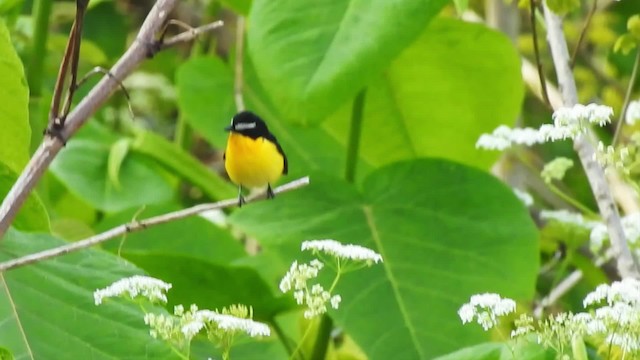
(253, 157)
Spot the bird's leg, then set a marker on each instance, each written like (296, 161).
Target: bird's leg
(270, 194)
(241, 200)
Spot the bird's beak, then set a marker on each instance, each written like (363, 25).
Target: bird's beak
(229, 128)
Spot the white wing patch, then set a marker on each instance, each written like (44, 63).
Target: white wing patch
(245, 126)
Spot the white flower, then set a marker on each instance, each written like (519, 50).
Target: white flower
(630, 225)
(192, 328)
(338, 250)
(625, 291)
(504, 137)
(568, 122)
(524, 196)
(335, 301)
(568, 217)
(486, 308)
(152, 289)
(633, 112)
(578, 114)
(297, 276)
(233, 324)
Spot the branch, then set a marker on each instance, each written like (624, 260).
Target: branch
(563, 287)
(134, 226)
(46, 152)
(582, 144)
(239, 71)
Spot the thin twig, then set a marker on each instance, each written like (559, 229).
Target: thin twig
(137, 52)
(189, 35)
(239, 72)
(582, 144)
(583, 33)
(536, 50)
(564, 287)
(139, 225)
(627, 98)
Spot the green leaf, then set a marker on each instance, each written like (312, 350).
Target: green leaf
(33, 214)
(213, 286)
(633, 25)
(182, 164)
(445, 231)
(500, 351)
(199, 80)
(47, 310)
(311, 62)
(14, 97)
(461, 6)
(193, 236)
(563, 7)
(83, 167)
(5, 354)
(457, 81)
(240, 6)
(625, 43)
(198, 258)
(117, 153)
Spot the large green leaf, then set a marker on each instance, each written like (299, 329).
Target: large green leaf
(445, 231)
(314, 58)
(83, 167)
(14, 97)
(47, 310)
(32, 215)
(520, 350)
(204, 262)
(205, 96)
(194, 236)
(457, 81)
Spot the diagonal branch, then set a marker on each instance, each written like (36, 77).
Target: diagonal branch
(140, 49)
(586, 151)
(134, 226)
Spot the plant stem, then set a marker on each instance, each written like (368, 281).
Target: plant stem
(322, 338)
(627, 98)
(354, 136)
(536, 50)
(575, 203)
(583, 33)
(282, 336)
(41, 13)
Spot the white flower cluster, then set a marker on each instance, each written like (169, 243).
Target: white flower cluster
(615, 318)
(151, 288)
(183, 326)
(568, 123)
(338, 250)
(599, 237)
(316, 297)
(609, 157)
(632, 115)
(568, 217)
(485, 309)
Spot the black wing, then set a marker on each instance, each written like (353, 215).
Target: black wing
(272, 138)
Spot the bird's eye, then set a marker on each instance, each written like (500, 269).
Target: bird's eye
(245, 126)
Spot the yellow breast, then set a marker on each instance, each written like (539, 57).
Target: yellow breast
(251, 162)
